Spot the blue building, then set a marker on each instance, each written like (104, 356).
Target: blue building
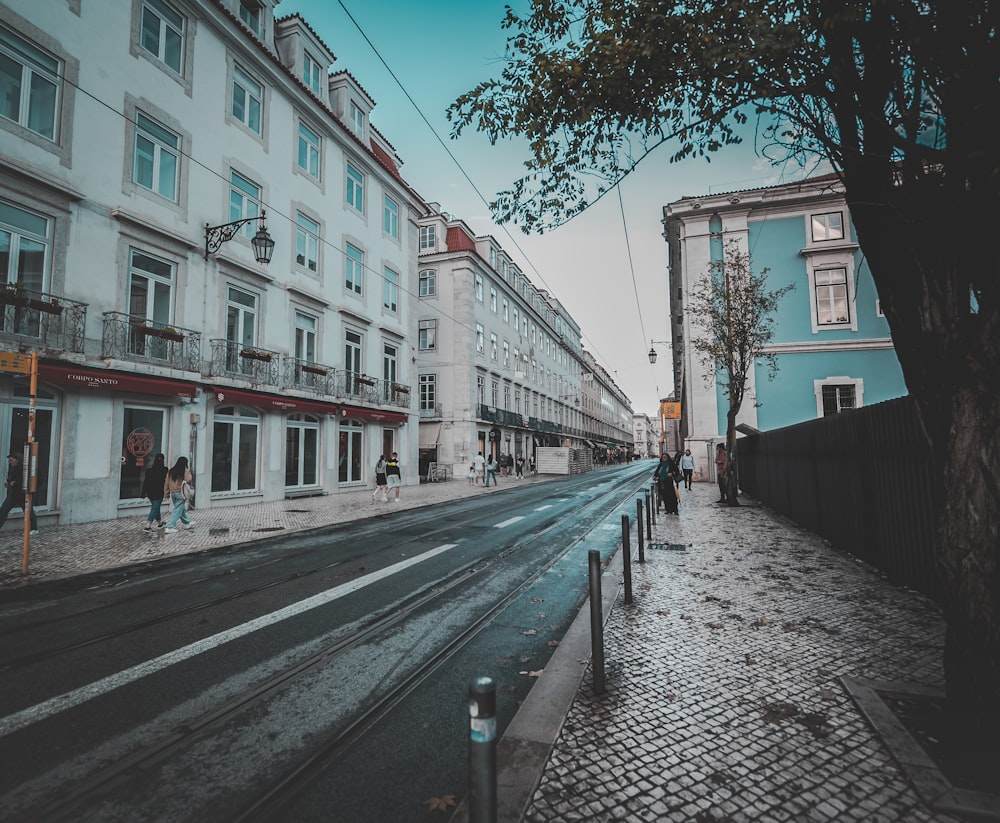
(831, 340)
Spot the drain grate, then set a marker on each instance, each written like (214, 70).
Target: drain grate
(667, 547)
(214, 532)
(271, 529)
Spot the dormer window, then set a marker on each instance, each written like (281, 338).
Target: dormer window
(357, 120)
(251, 15)
(311, 72)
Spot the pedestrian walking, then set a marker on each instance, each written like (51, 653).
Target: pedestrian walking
(15, 492)
(480, 465)
(393, 475)
(152, 488)
(666, 488)
(519, 467)
(173, 487)
(721, 464)
(472, 475)
(381, 481)
(687, 468)
(491, 471)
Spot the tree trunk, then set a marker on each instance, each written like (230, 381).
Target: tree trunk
(732, 495)
(968, 542)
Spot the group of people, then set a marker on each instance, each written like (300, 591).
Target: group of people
(161, 483)
(483, 469)
(669, 474)
(387, 478)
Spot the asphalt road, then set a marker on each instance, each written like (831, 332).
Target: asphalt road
(335, 663)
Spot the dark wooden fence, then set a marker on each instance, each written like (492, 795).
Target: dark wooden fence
(862, 479)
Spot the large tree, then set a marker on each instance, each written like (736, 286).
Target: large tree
(899, 97)
(735, 316)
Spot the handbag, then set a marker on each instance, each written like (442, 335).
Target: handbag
(187, 491)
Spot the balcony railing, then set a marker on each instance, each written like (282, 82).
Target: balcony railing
(435, 411)
(261, 367)
(42, 319)
(309, 376)
(127, 337)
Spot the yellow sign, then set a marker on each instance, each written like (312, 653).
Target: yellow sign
(15, 362)
(670, 410)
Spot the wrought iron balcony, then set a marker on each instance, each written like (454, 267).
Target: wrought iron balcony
(258, 366)
(309, 376)
(127, 337)
(373, 390)
(40, 319)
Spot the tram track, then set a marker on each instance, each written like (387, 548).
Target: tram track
(282, 791)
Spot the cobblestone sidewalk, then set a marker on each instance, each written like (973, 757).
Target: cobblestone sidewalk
(723, 700)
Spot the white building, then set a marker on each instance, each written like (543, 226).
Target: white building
(126, 132)
(646, 434)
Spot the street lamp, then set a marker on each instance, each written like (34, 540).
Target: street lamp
(652, 351)
(263, 245)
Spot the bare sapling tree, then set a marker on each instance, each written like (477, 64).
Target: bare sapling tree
(735, 309)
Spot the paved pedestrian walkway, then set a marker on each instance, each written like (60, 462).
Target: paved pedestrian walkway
(67, 550)
(724, 701)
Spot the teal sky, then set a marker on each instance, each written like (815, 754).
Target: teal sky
(438, 49)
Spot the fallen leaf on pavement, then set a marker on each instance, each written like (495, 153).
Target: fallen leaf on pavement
(440, 804)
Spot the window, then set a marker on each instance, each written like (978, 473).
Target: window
(837, 398)
(390, 290)
(162, 33)
(305, 338)
(306, 242)
(506, 355)
(479, 288)
(427, 387)
(493, 258)
(506, 311)
(480, 389)
(493, 346)
(506, 396)
(352, 352)
(354, 268)
(301, 451)
(248, 98)
(150, 299)
(241, 328)
(390, 219)
(309, 145)
(828, 226)
(143, 427)
(427, 335)
(244, 202)
(428, 283)
(351, 452)
(355, 188)
(234, 449)
(357, 120)
(29, 85)
(250, 14)
(390, 356)
(428, 240)
(24, 247)
(493, 300)
(494, 393)
(517, 320)
(480, 339)
(312, 73)
(157, 157)
(831, 297)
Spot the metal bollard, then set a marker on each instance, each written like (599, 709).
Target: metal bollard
(627, 560)
(638, 530)
(652, 495)
(649, 522)
(596, 621)
(482, 751)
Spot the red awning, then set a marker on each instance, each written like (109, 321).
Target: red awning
(273, 402)
(83, 378)
(372, 414)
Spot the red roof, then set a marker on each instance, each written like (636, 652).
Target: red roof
(458, 240)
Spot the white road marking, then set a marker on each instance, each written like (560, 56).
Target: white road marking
(543, 508)
(509, 522)
(54, 705)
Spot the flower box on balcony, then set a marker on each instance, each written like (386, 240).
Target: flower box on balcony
(253, 354)
(400, 389)
(50, 307)
(164, 333)
(365, 381)
(314, 370)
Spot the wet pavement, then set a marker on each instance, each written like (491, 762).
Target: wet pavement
(723, 700)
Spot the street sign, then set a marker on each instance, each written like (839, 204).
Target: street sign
(12, 361)
(670, 410)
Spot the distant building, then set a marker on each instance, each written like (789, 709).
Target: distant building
(499, 362)
(646, 434)
(831, 339)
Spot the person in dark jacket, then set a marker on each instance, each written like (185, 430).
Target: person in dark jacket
(666, 476)
(152, 487)
(15, 491)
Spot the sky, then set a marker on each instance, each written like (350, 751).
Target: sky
(608, 266)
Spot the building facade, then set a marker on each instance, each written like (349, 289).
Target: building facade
(500, 367)
(127, 138)
(831, 340)
(645, 434)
